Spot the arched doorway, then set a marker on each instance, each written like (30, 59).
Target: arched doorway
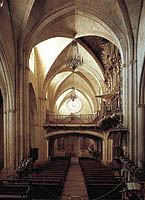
(1, 133)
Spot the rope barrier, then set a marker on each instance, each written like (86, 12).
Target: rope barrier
(109, 191)
(48, 191)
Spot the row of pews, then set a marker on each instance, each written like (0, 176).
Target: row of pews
(46, 182)
(100, 181)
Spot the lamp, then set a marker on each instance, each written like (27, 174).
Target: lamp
(74, 59)
(74, 105)
(73, 92)
(1, 3)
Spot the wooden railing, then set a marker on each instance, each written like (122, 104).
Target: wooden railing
(83, 118)
(79, 119)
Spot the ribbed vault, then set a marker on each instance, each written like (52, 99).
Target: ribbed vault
(93, 37)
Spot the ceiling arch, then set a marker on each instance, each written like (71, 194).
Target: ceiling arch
(85, 99)
(67, 132)
(69, 14)
(6, 83)
(72, 81)
(80, 22)
(86, 89)
(88, 78)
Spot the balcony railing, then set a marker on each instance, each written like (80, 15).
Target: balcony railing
(73, 119)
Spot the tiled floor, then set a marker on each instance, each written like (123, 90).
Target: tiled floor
(74, 187)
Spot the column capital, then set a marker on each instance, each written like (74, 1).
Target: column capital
(141, 105)
(21, 65)
(34, 125)
(27, 68)
(131, 62)
(9, 111)
(24, 67)
(124, 65)
(42, 98)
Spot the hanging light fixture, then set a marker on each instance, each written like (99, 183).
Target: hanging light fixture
(1, 3)
(74, 105)
(73, 92)
(74, 60)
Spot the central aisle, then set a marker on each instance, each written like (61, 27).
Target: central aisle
(74, 187)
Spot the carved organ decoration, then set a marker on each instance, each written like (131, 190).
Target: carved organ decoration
(111, 100)
(109, 56)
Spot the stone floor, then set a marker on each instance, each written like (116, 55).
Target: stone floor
(74, 187)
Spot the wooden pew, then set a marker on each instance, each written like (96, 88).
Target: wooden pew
(46, 181)
(14, 192)
(99, 180)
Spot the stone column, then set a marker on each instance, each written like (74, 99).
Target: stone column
(96, 144)
(125, 93)
(6, 161)
(51, 147)
(11, 140)
(135, 112)
(141, 134)
(104, 149)
(132, 102)
(130, 108)
(48, 149)
(79, 149)
(77, 144)
(20, 131)
(109, 149)
(33, 143)
(41, 132)
(26, 112)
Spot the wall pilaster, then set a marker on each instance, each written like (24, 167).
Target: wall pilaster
(12, 144)
(125, 95)
(141, 135)
(42, 143)
(9, 141)
(26, 112)
(104, 149)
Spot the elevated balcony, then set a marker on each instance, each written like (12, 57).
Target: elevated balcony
(107, 118)
(92, 122)
(73, 119)
(72, 122)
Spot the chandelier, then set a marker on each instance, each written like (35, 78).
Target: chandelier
(74, 104)
(1, 3)
(74, 59)
(73, 94)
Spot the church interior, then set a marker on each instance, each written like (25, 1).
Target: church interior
(72, 99)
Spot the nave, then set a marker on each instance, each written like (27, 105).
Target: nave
(63, 178)
(74, 187)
